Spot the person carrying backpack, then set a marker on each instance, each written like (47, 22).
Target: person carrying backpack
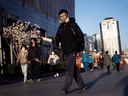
(85, 61)
(71, 40)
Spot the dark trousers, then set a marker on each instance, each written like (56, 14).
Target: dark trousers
(101, 65)
(54, 69)
(90, 66)
(117, 66)
(72, 71)
(108, 67)
(33, 63)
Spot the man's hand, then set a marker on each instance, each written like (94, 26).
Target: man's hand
(16, 64)
(37, 60)
(29, 62)
(60, 44)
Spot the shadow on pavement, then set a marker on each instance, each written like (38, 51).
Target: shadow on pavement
(19, 79)
(124, 82)
(92, 83)
(126, 87)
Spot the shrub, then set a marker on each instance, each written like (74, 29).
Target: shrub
(44, 68)
(11, 69)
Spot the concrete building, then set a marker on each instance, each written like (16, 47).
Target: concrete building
(111, 35)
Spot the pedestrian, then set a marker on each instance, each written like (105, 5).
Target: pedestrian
(90, 62)
(107, 61)
(116, 60)
(78, 61)
(85, 61)
(54, 61)
(22, 57)
(71, 39)
(101, 60)
(122, 63)
(33, 58)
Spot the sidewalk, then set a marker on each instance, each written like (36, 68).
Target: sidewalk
(16, 79)
(99, 83)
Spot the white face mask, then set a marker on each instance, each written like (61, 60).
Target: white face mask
(52, 53)
(23, 49)
(63, 19)
(83, 52)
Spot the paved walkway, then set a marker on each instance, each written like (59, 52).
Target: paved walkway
(99, 83)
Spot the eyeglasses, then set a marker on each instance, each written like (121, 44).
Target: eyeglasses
(63, 16)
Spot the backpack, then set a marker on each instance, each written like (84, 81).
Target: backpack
(82, 45)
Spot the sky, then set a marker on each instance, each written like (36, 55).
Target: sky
(89, 13)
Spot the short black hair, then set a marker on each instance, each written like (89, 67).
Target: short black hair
(115, 52)
(106, 52)
(62, 11)
(24, 46)
(33, 39)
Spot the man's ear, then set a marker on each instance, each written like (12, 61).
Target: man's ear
(68, 15)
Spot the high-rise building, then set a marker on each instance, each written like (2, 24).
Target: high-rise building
(97, 42)
(110, 35)
(90, 45)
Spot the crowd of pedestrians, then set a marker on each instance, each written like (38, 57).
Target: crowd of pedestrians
(71, 40)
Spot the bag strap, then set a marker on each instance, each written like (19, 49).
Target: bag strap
(72, 28)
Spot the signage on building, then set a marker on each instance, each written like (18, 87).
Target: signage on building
(47, 39)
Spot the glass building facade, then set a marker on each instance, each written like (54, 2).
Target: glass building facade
(44, 13)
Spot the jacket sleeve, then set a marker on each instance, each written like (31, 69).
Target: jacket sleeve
(28, 57)
(58, 37)
(49, 59)
(39, 53)
(79, 35)
(120, 58)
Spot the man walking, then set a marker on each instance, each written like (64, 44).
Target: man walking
(101, 60)
(33, 56)
(70, 38)
(116, 60)
(107, 60)
(85, 61)
(90, 62)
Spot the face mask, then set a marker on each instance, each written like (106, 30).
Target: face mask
(83, 52)
(63, 19)
(52, 53)
(23, 49)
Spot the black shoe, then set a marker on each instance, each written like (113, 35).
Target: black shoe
(81, 89)
(64, 91)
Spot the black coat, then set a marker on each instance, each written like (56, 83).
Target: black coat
(101, 60)
(33, 53)
(69, 42)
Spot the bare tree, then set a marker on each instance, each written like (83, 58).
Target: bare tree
(17, 32)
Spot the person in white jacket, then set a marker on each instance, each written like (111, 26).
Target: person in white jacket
(54, 61)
